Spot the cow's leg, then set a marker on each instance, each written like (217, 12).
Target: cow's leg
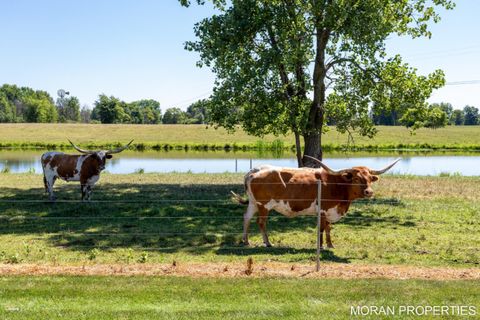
(49, 181)
(89, 191)
(86, 192)
(322, 228)
(45, 184)
(262, 223)
(251, 210)
(86, 187)
(83, 187)
(327, 233)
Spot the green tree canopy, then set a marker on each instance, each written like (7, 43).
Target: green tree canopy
(114, 110)
(471, 116)
(275, 59)
(110, 110)
(458, 117)
(198, 111)
(68, 109)
(174, 116)
(445, 107)
(7, 109)
(40, 110)
(19, 104)
(146, 111)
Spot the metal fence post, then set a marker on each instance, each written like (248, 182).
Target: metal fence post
(319, 220)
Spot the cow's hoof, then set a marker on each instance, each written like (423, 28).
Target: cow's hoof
(268, 245)
(322, 248)
(330, 246)
(245, 243)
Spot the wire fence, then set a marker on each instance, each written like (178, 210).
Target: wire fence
(182, 221)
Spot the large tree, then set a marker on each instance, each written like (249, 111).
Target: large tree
(289, 65)
(458, 117)
(7, 109)
(19, 104)
(110, 110)
(146, 111)
(174, 116)
(40, 109)
(198, 111)
(471, 116)
(68, 109)
(445, 107)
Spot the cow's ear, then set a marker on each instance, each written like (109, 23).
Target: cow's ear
(347, 176)
(374, 178)
(109, 156)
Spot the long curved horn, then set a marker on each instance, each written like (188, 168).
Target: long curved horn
(78, 149)
(324, 166)
(120, 149)
(377, 172)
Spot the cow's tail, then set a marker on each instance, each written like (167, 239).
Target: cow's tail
(247, 177)
(42, 160)
(238, 198)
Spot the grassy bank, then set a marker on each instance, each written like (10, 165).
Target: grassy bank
(158, 218)
(186, 298)
(199, 137)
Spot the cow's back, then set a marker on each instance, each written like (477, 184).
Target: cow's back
(62, 165)
(47, 157)
(297, 188)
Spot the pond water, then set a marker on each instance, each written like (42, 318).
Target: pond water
(417, 163)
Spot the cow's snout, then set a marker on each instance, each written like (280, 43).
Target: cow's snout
(368, 192)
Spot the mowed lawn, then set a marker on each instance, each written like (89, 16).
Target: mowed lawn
(160, 218)
(44, 135)
(70, 297)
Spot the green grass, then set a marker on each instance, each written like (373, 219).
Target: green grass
(64, 297)
(427, 221)
(199, 137)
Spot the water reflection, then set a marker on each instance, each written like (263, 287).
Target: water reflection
(418, 163)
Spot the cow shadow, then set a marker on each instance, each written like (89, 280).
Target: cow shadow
(169, 218)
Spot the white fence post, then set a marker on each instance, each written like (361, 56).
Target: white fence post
(319, 220)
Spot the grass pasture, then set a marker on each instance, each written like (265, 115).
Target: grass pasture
(49, 136)
(186, 298)
(428, 226)
(423, 221)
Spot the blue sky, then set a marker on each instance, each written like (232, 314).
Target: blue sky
(134, 50)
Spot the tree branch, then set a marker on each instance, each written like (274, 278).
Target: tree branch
(334, 62)
(281, 66)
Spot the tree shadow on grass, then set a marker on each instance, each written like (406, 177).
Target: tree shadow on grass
(366, 213)
(325, 255)
(168, 218)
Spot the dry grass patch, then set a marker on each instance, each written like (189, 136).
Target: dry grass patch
(249, 269)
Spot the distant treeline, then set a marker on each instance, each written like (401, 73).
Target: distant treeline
(443, 112)
(23, 104)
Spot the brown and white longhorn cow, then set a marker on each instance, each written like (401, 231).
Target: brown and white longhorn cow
(85, 168)
(293, 192)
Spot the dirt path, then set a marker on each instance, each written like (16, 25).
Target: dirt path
(263, 269)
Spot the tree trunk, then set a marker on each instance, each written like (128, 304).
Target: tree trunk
(313, 131)
(313, 148)
(298, 148)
